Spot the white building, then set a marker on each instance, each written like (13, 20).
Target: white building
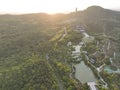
(92, 85)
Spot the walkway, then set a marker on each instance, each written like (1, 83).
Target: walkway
(65, 33)
(61, 86)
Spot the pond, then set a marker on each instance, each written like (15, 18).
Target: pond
(83, 73)
(109, 69)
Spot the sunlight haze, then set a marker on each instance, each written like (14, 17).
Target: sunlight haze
(52, 6)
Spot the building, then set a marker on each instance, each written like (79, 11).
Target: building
(92, 85)
(76, 10)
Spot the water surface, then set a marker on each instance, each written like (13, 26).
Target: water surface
(83, 73)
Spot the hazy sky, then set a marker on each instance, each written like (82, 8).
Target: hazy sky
(53, 6)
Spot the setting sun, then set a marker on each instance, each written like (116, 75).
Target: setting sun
(28, 6)
(51, 6)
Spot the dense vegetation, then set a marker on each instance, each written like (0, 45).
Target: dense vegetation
(21, 62)
(32, 75)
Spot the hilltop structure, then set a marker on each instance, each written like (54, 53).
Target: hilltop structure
(76, 10)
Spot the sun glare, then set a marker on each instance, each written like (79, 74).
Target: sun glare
(32, 6)
(50, 6)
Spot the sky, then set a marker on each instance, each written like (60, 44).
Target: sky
(52, 6)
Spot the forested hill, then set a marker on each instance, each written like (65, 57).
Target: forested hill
(23, 40)
(26, 41)
(97, 18)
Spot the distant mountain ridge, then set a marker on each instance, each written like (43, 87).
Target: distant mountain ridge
(95, 17)
(98, 18)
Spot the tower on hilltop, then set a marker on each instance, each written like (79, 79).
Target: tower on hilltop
(76, 10)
